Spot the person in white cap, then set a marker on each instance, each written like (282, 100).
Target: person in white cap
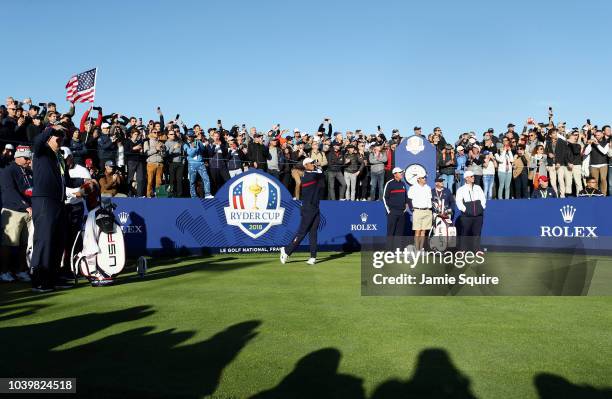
(16, 188)
(7, 155)
(420, 203)
(395, 199)
(471, 201)
(311, 183)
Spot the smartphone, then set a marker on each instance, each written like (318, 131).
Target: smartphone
(177, 117)
(218, 121)
(588, 121)
(159, 109)
(378, 127)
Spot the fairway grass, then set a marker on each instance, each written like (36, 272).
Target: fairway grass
(233, 326)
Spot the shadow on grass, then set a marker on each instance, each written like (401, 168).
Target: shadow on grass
(435, 376)
(316, 376)
(550, 386)
(139, 362)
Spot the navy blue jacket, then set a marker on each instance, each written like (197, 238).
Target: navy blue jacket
(218, 156)
(79, 151)
(395, 196)
(549, 190)
(311, 189)
(106, 148)
(446, 196)
(45, 164)
(14, 181)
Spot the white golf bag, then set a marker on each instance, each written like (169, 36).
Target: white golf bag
(102, 256)
(443, 233)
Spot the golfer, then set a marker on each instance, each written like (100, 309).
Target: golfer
(420, 200)
(471, 201)
(311, 190)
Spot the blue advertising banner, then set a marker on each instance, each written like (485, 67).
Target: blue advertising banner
(415, 154)
(255, 212)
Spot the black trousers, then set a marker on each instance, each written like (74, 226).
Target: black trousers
(521, 183)
(138, 168)
(309, 224)
(176, 171)
(470, 227)
(218, 177)
(49, 220)
(396, 222)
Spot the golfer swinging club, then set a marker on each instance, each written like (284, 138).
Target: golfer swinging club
(310, 212)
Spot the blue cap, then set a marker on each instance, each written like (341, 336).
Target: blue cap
(109, 163)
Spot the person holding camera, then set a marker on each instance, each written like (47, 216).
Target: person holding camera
(196, 153)
(176, 167)
(107, 146)
(505, 162)
(520, 173)
(446, 165)
(489, 166)
(111, 182)
(597, 149)
(155, 152)
(555, 151)
(575, 147)
(135, 157)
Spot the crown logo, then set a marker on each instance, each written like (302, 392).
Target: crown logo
(364, 217)
(568, 212)
(123, 217)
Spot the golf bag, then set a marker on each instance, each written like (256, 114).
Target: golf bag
(443, 233)
(101, 256)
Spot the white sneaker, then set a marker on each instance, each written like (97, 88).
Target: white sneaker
(208, 196)
(283, 256)
(7, 277)
(23, 276)
(311, 261)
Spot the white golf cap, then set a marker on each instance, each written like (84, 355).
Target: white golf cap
(307, 161)
(397, 170)
(459, 148)
(65, 152)
(296, 130)
(9, 147)
(472, 140)
(469, 173)
(420, 173)
(105, 125)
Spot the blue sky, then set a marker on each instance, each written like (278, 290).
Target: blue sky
(459, 65)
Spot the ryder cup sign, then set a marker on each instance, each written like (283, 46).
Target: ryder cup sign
(254, 204)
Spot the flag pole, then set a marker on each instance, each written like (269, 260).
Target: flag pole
(92, 103)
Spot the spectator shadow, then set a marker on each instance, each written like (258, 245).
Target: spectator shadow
(135, 235)
(316, 376)
(351, 244)
(550, 386)
(140, 362)
(435, 376)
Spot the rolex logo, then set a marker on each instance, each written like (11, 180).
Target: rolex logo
(568, 212)
(364, 217)
(123, 217)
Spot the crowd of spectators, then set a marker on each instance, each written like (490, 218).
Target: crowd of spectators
(167, 158)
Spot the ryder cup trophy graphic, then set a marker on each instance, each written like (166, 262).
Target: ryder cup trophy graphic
(255, 189)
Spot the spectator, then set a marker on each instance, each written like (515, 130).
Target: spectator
(543, 190)
(176, 167)
(474, 164)
(237, 157)
(196, 153)
(461, 160)
(446, 165)
(505, 161)
(335, 165)
(555, 150)
(110, 183)
(257, 152)
(520, 173)
(597, 151)
(106, 146)
(591, 189)
(575, 148)
(377, 162)
(135, 157)
(155, 152)
(217, 151)
(489, 165)
(274, 156)
(297, 171)
(78, 148)
(7, 155)
(352, 169)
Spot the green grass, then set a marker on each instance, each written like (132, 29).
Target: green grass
(235, 326)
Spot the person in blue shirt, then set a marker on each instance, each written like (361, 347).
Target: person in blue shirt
(460, 158)
(196, 153)
(311, 193)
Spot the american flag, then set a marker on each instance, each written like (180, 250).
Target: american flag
(237, 197)
(81, 88)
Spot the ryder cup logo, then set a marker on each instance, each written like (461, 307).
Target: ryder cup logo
(123, 217)
(567, 213)
(363, 226)
(414, 145)
(254, 205)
